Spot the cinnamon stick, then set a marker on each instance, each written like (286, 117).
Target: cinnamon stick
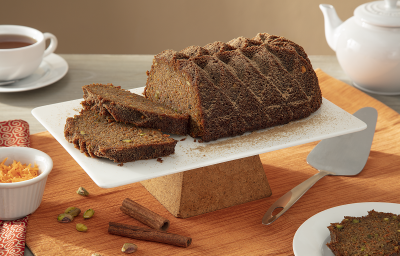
(144, 215)
(148, 234)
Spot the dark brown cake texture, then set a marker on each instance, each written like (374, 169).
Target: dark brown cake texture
(100, 136)
(235, 87)
(128, 107)
(378, 233)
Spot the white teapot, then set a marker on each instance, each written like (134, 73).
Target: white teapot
(367, 45)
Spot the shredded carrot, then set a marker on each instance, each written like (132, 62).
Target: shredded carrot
(16, 172)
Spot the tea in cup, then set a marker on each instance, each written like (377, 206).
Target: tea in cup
(22, 49)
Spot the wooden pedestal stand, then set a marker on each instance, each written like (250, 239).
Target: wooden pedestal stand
(210, 188)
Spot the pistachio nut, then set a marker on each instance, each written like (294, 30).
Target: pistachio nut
(129, 248)
(81, 227)
(88, 214)
(64, 218)
(74, 211)
(82, 191)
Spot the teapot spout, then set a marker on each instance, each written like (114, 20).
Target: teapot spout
(332, 22)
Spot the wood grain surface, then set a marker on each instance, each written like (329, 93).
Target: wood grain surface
(235, 230)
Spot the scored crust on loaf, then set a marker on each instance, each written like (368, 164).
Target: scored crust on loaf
(128, 107)
(100, 136)
(374, 234)
(235, 87)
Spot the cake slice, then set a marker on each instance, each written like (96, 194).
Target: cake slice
(378, 233)
(128, 107)
(100, 136)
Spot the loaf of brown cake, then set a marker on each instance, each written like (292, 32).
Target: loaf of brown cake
(378, 233)
(235, 87)
(128, 107)
(100, 136)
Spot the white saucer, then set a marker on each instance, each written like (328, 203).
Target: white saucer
(52, 69)
(311, 237)
(376, 92)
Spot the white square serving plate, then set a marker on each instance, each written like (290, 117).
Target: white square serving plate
(329, 121)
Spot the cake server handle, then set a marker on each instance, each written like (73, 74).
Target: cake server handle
(288, 199)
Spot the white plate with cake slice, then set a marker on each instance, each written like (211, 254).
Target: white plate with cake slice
(313, 235)
(329, 121)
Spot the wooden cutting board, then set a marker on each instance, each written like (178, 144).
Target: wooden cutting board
(232, 231)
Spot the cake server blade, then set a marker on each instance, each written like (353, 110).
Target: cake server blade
(343, 155)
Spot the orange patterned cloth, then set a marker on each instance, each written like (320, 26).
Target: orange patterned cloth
(13, 133)
(12, 237)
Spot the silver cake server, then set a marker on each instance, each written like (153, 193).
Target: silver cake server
(343, 155)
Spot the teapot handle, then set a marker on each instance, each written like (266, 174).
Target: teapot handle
(391, 4)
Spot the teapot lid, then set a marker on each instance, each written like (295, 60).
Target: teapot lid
(380, 13)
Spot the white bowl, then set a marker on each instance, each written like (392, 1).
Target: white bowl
(22, 198)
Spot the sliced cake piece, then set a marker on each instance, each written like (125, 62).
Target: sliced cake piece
(128, 107)
(100, 136)
(375, 234)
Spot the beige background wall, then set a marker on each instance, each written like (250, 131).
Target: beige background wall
(150, 26)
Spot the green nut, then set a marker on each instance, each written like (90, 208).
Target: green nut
(64, 218)
(386, 219)
(82, 191)
(356, 221)
(88, 214)
(129, 248)
(74, 211)
(339, 226)
(81, 227)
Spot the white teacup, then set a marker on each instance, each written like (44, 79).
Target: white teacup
(18, 62)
